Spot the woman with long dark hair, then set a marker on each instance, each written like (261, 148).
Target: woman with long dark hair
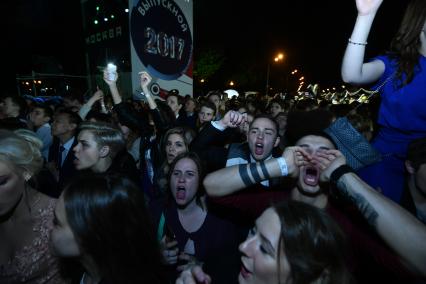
(401, 72)
(291, 242)
(101, 221)
(188, 227)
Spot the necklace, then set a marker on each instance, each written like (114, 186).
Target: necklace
(8, 214)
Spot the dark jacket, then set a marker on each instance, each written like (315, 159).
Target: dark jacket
(68, 171)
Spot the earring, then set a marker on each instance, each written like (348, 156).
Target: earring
(27, 176)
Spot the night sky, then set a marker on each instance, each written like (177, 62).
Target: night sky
(311, 34)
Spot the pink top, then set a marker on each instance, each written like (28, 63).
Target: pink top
(34, 263)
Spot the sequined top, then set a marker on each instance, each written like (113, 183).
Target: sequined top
(34, 263)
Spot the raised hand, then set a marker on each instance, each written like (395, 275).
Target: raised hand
(233, 119)
(194, 275)
(366, 7)
(327, 161)
(145, 79)
(295, 157)
(98, 95)
(108, 81)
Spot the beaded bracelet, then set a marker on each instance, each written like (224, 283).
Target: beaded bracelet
(357, 43)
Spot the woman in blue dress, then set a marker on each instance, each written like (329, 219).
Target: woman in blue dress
(402, 113)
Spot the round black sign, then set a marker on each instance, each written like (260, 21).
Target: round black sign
(161, 37)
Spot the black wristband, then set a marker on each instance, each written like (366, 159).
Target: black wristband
(339, 172)
(264, 170)
(242, 168)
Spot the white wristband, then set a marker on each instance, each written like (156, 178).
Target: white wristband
(283, 166)
(217, 125)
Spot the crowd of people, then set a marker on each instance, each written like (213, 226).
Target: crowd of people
(211, 189)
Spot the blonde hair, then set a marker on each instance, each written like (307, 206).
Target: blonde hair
(105, 134)
(22, 149)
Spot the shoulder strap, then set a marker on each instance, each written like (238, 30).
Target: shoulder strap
(376, 91)
(160, 230)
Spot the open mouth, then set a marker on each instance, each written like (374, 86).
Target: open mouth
(258, 149)
(245, 273)
(311, 176)
(180, 193)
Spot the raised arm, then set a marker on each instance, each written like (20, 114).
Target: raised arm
(126, 115)
(84, 110)
(354, 70)
(397, 227)
(145, 81)
(112, 84)
(232, 179)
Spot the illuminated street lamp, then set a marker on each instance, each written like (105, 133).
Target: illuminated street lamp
(294, 72)
(277, 58)
(231, 83)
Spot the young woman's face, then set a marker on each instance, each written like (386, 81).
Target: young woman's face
(62, 239)
(12, 186)
(282, 122)
(87, 153)
(174, 146)
(184, 182)
(260, 252)
(275, 109)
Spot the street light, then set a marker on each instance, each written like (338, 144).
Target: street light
(293, 73)
(277, 58)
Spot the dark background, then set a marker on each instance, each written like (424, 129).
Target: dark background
(311, 34)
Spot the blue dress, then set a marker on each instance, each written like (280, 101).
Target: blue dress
(402, 118)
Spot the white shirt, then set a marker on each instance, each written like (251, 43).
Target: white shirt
(45, 135)
(67, 147)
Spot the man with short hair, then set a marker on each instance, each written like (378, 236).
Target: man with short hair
(215, 97)
(315, 164)
(61, 156)
(73, 102)
(262, 137)
(13, 109)
(175, 102)
(206, 114)
(40, 117)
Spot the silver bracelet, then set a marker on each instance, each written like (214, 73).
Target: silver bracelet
(357, 43)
